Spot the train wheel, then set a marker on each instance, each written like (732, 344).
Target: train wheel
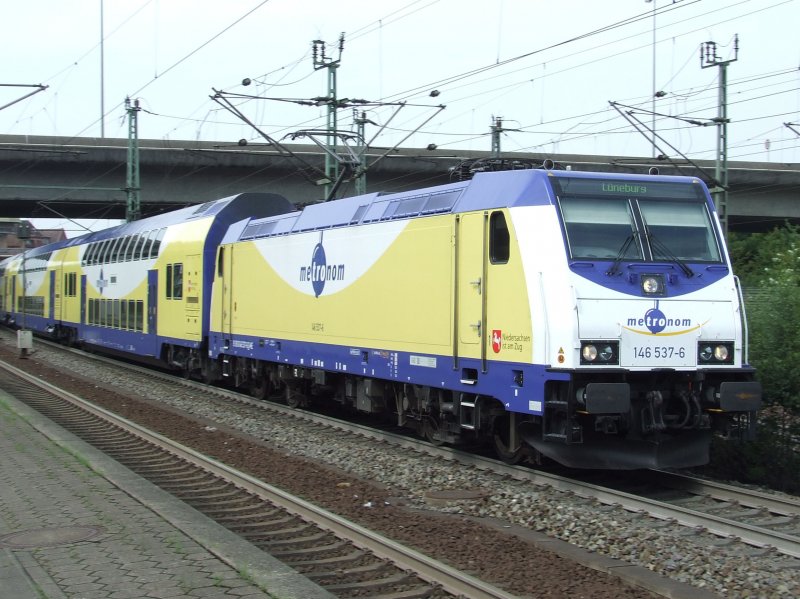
(207, 370)
(294, 399)
(511, 452)
(259, 388)
(430, 430)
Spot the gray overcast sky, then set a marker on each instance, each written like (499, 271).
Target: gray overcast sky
(549, 68)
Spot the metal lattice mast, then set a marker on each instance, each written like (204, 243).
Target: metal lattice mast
(709, 58)
(497, 129)
(133, 209)
(321, 61)
(361, 174)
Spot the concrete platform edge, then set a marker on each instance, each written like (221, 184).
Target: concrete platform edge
(267, 572)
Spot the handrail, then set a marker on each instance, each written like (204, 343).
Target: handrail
(743, 316)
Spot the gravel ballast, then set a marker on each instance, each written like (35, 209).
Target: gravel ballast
(387, 489)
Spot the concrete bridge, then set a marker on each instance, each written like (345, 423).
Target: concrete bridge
(46, 177)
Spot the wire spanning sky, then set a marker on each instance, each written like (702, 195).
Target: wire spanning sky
(548, 69)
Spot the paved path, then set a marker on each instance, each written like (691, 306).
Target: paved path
(76, 524)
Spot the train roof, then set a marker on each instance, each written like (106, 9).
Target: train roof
(485, 191)
(227, 210)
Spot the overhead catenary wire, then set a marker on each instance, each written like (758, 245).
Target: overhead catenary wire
(590, 123)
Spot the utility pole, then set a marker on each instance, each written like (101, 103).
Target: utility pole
(497, 129)
(321, 61)
(24, 336)
(709, 58)
(345, 151)
(653, 100)
(361, 167)
(133, 209)
(102, 74)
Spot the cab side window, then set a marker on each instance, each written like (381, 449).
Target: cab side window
(499, 239)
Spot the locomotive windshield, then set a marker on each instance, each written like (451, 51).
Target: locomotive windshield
(620, 220)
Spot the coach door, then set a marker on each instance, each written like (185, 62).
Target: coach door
(226, 278)
(55, 296)
(152, 301)
(83, 299)
(470, 301)
(192, 286)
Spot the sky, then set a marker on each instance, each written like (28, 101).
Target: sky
(549, 70)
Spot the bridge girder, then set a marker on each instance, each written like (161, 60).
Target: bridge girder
(45, 177)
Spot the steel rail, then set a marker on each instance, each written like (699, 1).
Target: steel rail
(747, 533)
(777, 504)
(450, 579)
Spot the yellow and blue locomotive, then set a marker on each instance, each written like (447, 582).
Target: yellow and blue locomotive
(590, 318)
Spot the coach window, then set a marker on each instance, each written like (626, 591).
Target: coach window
(122, 248)
(499, 239)
(130, 247)
(174, 286)
(177, 281)
(119, 249)
(156, 246)
(113, 255)
(98, 246)
(220, 261)
(137, 255)
(101, 252)
(70, 284)
(91, 252)
(108, 251)
(148, 241)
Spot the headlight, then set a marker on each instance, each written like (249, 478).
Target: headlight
(715, 353)
(653, 284)
(589, 353)
(600, 352)
(606, 353)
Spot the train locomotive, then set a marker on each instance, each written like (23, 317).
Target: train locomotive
(589, 318)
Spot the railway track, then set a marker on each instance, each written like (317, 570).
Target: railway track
(342, 557)
(752, 517)
(736, 519)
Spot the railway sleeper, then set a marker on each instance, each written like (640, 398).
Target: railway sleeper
(372, 568)
(295, 541)
(288, 553)
(390, 582)
(353, 556)
(253, 522)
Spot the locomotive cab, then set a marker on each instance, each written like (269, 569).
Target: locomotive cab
(658, 337)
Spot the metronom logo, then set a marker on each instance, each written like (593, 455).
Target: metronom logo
(655, 321)
(319, 271)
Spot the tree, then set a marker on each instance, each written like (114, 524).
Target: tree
(768, 265)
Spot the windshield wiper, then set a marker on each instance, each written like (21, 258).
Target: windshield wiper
(657, 244)
(621, 254)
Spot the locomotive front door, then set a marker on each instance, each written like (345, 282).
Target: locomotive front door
(470, 242)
